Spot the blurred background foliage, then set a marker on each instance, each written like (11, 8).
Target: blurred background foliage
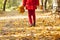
(10, 4)
(13, 4)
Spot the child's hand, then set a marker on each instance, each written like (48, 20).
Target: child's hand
(37, 7)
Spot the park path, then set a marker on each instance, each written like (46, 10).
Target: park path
(14, 26)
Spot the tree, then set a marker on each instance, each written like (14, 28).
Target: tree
(4, 5)
(58, 2)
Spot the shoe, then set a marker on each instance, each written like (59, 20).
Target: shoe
(33, 25)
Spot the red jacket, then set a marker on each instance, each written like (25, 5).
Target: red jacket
(31, 4)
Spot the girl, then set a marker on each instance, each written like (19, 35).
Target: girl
(31, 5)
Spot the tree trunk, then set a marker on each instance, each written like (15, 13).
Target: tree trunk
(42, 2)
(4, 5)
(45, 4)
(59, 5)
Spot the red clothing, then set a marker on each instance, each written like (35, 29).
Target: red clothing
(32, 17)
(31, 4)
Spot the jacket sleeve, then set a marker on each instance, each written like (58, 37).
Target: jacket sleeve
(24, 2)
(37, 2)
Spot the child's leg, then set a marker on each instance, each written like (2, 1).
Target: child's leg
(34, 17)
(30, 16)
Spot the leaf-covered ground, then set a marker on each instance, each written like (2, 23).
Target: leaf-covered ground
(14, 26)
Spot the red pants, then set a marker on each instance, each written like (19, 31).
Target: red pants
(32, 17)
